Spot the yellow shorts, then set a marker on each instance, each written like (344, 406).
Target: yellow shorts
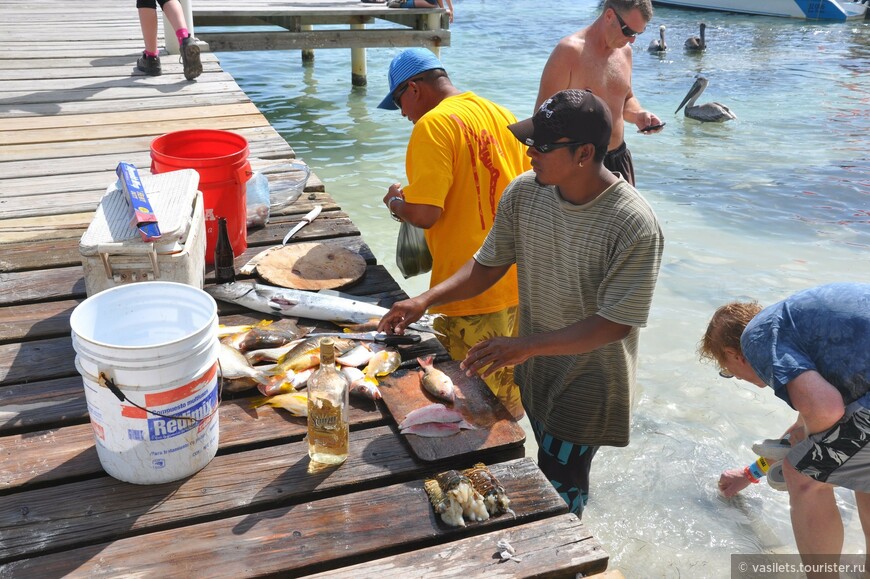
(462, 332)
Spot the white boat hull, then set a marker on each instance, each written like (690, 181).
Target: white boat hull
(806, 9)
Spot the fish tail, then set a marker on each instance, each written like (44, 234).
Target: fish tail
(262, 377)
(425, 361)
(257, 402)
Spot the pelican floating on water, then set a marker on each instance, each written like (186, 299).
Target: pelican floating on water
(658, 45)
(697, 42)
(707, 112)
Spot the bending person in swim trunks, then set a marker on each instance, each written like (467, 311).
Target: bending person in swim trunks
(813, 349)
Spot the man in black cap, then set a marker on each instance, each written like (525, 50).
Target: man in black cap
(587, 248)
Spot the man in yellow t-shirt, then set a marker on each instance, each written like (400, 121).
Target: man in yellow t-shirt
(460, 158)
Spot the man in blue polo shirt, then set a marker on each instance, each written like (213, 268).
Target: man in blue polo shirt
(813, 349)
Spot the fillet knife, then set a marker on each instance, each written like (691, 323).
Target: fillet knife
(378, 337)
(309, 217)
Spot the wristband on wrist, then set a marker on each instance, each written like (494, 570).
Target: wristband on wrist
(759, 468)
(748, 474)
(390, 207)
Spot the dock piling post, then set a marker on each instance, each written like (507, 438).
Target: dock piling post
(358, 60)
(307, 53)
(169, 39)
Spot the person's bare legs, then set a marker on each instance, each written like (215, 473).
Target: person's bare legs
(815, 520)
(175, 14)
(148, 23)
(862, 500)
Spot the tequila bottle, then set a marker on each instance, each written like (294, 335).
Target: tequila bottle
(327, 409)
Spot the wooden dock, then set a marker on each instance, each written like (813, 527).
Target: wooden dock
(71, 107)
(345, 22)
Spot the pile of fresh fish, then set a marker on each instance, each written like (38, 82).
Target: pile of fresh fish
(278, 358)
(473, 495)
(434, 421)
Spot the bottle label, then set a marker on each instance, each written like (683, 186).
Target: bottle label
(325, 422)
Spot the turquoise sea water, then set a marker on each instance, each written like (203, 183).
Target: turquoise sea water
(760, 207)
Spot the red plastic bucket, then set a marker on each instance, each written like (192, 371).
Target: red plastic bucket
(221, 159)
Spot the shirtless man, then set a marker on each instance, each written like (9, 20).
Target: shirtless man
(598, 58)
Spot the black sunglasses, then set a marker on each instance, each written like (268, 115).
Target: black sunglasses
(547, 147)
(626, 30)
(397, 96)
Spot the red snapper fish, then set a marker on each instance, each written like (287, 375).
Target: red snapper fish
(434, 381)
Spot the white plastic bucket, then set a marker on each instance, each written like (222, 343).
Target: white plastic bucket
(157, 342)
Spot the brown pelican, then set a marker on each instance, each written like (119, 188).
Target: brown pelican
(658, 45)
(697, 43)
(707, 112)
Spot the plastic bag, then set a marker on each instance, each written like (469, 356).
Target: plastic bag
(257, 200)
(412, 252)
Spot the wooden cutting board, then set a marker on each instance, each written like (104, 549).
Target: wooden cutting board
(496, 428)
(312, 266)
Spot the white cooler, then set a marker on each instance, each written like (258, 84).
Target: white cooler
(113, 252)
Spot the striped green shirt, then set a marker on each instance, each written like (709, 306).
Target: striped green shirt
(575, 261)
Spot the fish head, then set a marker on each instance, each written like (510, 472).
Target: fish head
(230, 291)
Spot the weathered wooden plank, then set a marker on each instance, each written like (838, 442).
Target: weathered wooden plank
(71, 225)
(93, 120)
(71, 67)
(38, 360)
(40, 406)
(67, 282)
(155, 128)
(315, 8)
(76, 107)
(106, 163)
(36, 321)
(290, 539)
(555, 547)
(82, 196)
(98, 170)
(52, 86)
(144, 88)
(38, 458)
(264, 142)
(42, 320)
(376, 37)
(58, 251)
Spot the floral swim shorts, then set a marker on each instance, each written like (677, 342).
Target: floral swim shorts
(839, 456)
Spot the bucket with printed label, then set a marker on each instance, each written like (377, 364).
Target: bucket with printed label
(147, 353)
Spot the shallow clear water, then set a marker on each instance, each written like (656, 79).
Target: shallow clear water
(774, 202)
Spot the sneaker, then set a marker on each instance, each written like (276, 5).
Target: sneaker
(775, 478)
(150, 65)
(190, 58)
(772, 449)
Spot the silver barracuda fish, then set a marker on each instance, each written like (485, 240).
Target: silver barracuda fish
(281, 301)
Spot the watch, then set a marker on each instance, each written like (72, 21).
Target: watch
(390, 207)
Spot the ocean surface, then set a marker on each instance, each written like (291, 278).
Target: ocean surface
(760, 207)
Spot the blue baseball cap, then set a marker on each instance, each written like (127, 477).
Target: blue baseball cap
(405, 65)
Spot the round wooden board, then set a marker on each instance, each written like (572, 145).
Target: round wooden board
(312, 266)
